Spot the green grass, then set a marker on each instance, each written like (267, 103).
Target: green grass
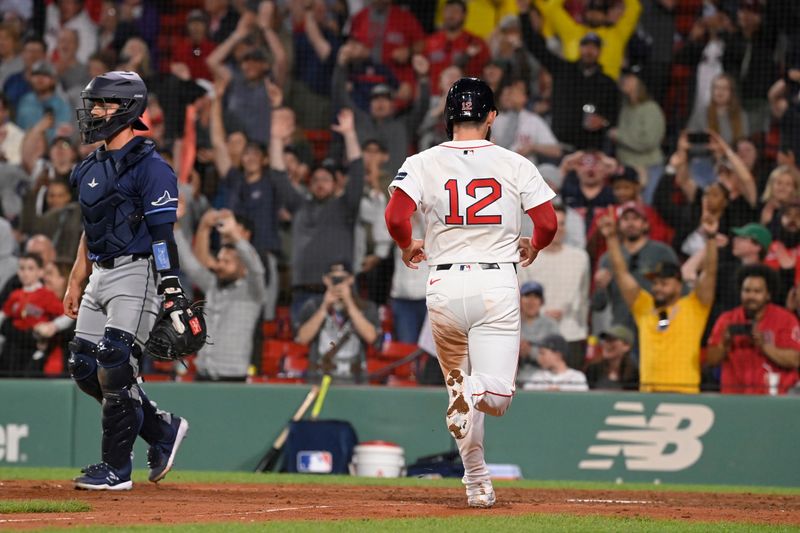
(533, 522)
(9, 473)
(43, 506)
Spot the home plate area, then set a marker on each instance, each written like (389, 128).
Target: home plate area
(204, 503)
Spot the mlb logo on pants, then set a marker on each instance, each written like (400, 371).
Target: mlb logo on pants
(314, 462)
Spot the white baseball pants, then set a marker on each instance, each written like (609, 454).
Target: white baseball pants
(475, 321)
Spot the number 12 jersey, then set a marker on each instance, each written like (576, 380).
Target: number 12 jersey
(472, 195)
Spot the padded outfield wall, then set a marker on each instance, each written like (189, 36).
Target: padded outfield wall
(568, 436)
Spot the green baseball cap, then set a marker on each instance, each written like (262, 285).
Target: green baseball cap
(756, 232)
(618, 331)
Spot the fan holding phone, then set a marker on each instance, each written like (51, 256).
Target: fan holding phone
(758, 342)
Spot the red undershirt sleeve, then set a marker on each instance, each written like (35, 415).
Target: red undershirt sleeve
(544, 224)
(398, 217)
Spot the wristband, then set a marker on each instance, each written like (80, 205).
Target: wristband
(170, 285)
(165, 255)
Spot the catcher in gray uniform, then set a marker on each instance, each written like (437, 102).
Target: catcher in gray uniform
(128, 197)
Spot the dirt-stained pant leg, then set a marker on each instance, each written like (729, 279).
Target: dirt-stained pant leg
(494, 343)
(449, 333)
(475, 324)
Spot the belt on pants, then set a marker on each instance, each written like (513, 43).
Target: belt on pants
(115, 262)
(482, 266)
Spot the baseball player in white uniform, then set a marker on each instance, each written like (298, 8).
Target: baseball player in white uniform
(472, 195)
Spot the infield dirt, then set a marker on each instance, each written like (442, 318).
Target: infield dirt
(174, 503)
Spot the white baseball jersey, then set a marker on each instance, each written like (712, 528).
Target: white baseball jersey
(472, 195)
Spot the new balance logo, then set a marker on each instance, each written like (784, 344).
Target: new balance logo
(93, 183)
(10, 437)
(668, 442)
(164, 200)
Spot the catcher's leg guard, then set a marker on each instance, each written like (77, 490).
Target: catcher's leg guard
(83, 367)
(122, 403)
(156, 424)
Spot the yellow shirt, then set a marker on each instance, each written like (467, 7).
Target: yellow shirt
(669, 360)
(483, 16)
(615, 38)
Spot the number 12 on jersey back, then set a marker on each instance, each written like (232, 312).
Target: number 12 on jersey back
(474, 188)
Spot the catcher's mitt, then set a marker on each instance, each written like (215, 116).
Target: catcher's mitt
(180, 330)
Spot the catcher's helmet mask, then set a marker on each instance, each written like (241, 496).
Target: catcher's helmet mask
(468, 100)
(124, 88)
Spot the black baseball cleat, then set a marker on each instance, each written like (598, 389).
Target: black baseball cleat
(102, 476)
(161, 456)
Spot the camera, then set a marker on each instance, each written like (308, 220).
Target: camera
(745, 329)
(337, 279)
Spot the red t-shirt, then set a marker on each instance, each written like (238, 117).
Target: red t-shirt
(402, 29)
(194, 55)
(441, 53)
(659, 231)
(746, 370)
(28, 308)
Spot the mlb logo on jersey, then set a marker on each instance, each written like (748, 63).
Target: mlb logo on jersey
(314, 462)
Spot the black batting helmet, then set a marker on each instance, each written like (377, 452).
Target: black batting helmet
(469, 100)
(124, 88)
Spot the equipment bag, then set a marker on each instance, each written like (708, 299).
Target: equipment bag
(319, 447)
(446, 464)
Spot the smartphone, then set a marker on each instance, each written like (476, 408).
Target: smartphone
(745, 329)
(699, 137)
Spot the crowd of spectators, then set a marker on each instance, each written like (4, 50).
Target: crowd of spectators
(669, 128)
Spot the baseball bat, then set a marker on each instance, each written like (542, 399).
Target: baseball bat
(323, 391)
(271, 457)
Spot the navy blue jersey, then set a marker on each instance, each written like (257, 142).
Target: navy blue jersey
(257, 202)
(122, 193)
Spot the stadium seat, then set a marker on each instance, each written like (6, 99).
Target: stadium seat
(293, 355)
(270, 329)
(395, 381)
(387, 318)
(150, 378)
(295, 365)
(393, 350)
(283, 322)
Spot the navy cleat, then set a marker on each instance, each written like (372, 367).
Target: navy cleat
(161, 456)
(103, 476)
